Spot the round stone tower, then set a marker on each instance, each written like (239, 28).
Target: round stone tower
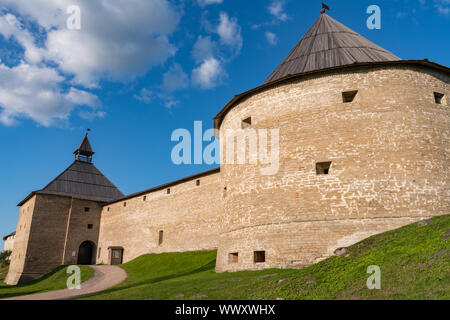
(363, 148)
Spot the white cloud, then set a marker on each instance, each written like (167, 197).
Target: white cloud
(209, 74)
(175, 78)
(144, 96)
(204, 49)
(203, 3)
(32, 92)
(230, 32)
(276, 9)
(271, 38)
(118, 40)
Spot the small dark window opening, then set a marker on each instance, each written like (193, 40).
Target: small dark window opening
(161, 237)
(99, 252)
(349, 96)
(233, 257)
(87, 209)
(438, 97)
(145, 198)
(90, 226)
(168, 191)
(247, 123)
(197, 182)
(124, 204)
(107, 209)
(259, 256)
(323, 167)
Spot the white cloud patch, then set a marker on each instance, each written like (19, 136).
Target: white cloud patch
(204, 49)
(230, 32)
(119, 40)
(175, 79)
(35, 93)
(203, 3)
(208, 74)
(276, 9)
(145, 96)
(271, 38)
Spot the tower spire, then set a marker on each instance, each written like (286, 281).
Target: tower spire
(84, 151)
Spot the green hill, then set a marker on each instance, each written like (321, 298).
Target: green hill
(414, 262)
(55, 280)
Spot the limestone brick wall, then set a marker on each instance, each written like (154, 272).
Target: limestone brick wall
(41, 234)
(188, 217)
(9, 243)
(389, 150)
(21, 241)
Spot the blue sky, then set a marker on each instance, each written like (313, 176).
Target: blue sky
(137, 70)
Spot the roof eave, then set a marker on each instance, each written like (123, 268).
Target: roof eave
(218, 119)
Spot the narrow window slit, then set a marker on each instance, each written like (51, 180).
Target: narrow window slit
(349, 96)
(323, 168)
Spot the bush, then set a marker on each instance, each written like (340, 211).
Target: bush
(4, 259)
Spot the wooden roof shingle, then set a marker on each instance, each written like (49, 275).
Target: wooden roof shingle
(327, 44)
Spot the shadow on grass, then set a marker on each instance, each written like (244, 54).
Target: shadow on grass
(209, 266)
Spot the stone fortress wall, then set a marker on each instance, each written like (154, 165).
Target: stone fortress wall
(388, 148)
(389, 153)
(156, 221)
(49, 228)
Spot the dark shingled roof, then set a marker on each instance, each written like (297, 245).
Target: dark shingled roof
(328, 44)
(83, 179)
(9, 235)
(85, 147)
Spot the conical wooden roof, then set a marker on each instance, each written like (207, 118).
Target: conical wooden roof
(85, 148)
(328, 43)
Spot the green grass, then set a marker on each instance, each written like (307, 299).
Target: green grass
(3, 272)
(411, 268)
(55, 280)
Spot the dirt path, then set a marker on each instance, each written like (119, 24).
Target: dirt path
(104, 277)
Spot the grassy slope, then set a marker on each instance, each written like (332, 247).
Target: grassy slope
(55, 280)
(411, 268)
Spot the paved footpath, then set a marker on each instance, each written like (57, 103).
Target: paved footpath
(104, 277)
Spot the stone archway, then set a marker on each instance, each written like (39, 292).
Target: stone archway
(85, 253)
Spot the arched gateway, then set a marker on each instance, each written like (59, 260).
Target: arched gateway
(85, 253)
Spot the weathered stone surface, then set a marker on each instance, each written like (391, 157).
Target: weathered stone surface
(424, 222)
(189, 217)
(267, 276)
(341, 252)
(389, 153)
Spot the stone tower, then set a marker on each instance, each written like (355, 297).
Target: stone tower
(363, 140)
(59, 224)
